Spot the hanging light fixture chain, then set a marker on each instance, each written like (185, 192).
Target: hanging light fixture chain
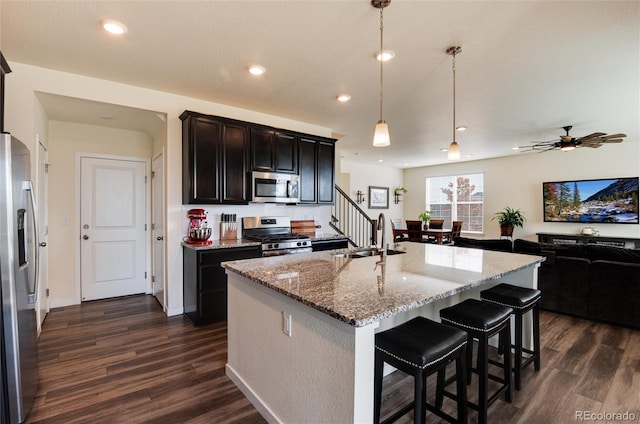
(454, 95)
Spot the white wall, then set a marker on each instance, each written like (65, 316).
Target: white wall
(65, 140)
(516, 181)
(24, 118)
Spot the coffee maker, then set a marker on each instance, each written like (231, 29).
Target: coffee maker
(199, 232)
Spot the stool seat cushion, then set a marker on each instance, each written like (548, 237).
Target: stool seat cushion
(476, 315)
(420, 342)
(510, 295)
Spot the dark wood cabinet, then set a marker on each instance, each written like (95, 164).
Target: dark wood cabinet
(326, 171)
(308, 165)
(330, 244)
(317, 170)
(214, 165)
(218, 153)
(273, 151)
(205, 281)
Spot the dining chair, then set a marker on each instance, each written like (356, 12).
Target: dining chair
(456, 229)
(414, 229)
(399, 233)
(435, 224)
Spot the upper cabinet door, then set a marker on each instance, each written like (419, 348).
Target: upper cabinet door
(286, 153)
(326, 171)
(308, 190)
(262, 150)
(235, 144)
(200, 160)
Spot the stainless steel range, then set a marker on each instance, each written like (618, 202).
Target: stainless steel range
(274, 233)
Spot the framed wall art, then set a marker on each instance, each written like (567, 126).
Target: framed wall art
(378, 197)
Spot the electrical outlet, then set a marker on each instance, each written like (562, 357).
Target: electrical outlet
(286, 323)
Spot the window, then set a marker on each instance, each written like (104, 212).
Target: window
(457, 198)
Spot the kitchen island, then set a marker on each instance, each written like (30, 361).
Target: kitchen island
(301, 327)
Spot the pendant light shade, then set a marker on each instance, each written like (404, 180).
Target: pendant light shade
(454, 148)
(381, 134)
(454, 151)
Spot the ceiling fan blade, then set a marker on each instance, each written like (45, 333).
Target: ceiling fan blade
(613, 136)
(593, 135)
(615, 140)
(593, 145)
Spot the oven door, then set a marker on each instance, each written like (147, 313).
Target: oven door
(274, 188)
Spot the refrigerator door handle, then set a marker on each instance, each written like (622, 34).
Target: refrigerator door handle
(32, 297)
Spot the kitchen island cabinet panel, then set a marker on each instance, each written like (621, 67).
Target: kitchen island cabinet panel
(205, 281)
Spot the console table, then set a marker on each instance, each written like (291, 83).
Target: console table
(555, 238)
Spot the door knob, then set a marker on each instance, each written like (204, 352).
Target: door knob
(42, 244)
(159, 238)
(85, 237)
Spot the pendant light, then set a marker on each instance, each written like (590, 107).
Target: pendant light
(454, 149)
(381, 134)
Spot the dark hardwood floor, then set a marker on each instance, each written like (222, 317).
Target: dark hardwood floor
(123, 361)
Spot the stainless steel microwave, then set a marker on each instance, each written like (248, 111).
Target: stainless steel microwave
(275, 188)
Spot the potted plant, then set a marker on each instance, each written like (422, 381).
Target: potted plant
(425, 217)
(508, 219)
(397, 194)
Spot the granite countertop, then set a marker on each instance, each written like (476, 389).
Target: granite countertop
(227, 244)
(223, 244)
(362, 291)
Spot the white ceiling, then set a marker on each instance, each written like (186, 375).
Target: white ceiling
(527, 68)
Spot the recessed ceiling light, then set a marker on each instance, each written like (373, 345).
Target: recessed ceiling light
(384, 55)
(380, 160)
(461, 127)
(257, 70)
(113, 27)
(444, 149)
(406, 164)
(343, 98)
(515, 148)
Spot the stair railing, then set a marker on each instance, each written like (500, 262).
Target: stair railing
(347, 218)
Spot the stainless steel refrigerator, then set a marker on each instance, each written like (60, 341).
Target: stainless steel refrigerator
(19, 274)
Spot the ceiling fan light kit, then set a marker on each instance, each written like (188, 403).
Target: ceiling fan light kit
(568, 143)
(381, 135)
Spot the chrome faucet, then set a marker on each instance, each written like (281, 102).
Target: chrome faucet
(381, 226)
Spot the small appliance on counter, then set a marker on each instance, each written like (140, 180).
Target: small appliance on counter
(199, 231)
(275, 235)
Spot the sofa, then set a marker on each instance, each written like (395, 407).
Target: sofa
(600, 283)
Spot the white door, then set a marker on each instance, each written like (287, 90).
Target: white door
(112, 227)
(43, 227)
(157, 225)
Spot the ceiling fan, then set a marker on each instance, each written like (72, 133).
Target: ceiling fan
(567, 142)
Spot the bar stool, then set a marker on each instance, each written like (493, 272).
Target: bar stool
(421, 347)
(481, 320)
(521, 300)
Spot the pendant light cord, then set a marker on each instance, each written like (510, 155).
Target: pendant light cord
(454, 97)
(381, 57)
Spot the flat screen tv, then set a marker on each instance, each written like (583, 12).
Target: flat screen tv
(613, 200)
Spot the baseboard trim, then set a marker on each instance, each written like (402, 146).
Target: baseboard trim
(263, 409)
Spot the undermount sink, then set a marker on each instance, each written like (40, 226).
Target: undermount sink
(366, 252)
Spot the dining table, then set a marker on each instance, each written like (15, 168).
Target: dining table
(438, 233)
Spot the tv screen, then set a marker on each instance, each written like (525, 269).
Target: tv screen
(612, 200)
